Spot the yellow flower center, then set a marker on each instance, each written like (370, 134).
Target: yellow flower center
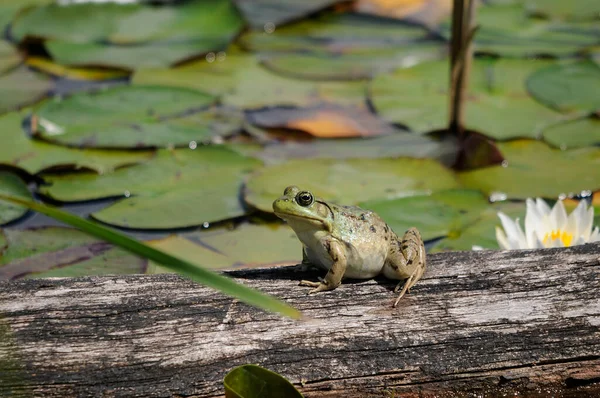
(565, 237)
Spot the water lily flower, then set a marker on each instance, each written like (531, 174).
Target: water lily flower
(545, 227)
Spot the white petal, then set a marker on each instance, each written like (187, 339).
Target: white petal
(542, 206)
(578, 241)
(476, 247)
(595, 236)
(513, 232)
(522, 241)
(538, 244)
(575, 219)
(587, 222)
(531, 222)
(501, 238)
(558, 216)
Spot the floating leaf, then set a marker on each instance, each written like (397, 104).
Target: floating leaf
(394, 145)
(574, 133)
(125, 117)
(245, 246)
(322, 120)
(440, 214)
(348, 181)
(47, 66)
(62, 252)
(574, 9)
(253, 381)
(130, 35)
(176, 189)
(567, 87)
(342, 46)
(426, 12)
(21, 87)
(497, 104)
(482, 231)
(509, 31)
(190, 270)
(34, 156)
(269, 14)
(11, 184)
(240, 81)
(9, 57)
(533, 169)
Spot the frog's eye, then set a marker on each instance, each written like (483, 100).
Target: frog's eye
(304, 199)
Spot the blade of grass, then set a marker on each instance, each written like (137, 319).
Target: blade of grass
(194, 272)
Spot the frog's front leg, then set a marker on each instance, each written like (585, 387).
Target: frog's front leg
(406, 260)
(334, 276)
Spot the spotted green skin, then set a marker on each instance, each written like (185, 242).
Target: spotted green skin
(350, 242)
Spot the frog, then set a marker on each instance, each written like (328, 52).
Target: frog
(350, 242)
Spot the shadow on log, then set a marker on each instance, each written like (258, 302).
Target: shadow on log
(478, 324)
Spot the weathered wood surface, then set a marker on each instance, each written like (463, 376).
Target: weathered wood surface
(479, 323)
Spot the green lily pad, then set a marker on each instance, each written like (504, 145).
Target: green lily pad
(440, 214)
(394, 145)
(567, 87)
(11, 184)
(62, 252)
(575, 9)
(481, 231)
(269, 14)
(497, 104)
(508, 30)
(574, 133)
(353, 66)
(253, 381)
(245, 246)
(533, 169)
(21, 87)
(179, 188)
(348, 181)
(240, 81)
(342, 46)
(35, 156)
(9, 57)
(131, 35)
(127, 117)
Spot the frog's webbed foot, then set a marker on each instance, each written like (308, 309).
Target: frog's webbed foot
(407, 285)
(318, 286)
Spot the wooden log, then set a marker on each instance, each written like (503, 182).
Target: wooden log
(488, 323)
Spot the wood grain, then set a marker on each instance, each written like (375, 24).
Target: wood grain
(478, 324)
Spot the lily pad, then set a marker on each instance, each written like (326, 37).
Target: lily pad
(245, 246)
(394, 145)
(178, 188)
(11, 184)
(239, 80)
(508, 30)
(322, 120)
(21, 87)
(482, 231)
(497, 104)
(574, 9)
(64, 252)
(353, 66)
(533, 169)
(567, 87)
(342, 46)
(125, 117)
(269, 14)
(131, 35)
(440, 214)
(574, 133)
(253, 381)
(9, 56)
(349, 181)
(425, 12)
(54, 69)
(34, 156)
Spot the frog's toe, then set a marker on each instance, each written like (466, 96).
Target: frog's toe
(309, 284)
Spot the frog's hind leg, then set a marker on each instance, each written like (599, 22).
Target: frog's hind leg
(406, 261)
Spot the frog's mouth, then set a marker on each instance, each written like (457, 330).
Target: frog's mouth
(286, 216)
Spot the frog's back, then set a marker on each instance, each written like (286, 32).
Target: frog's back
(367, 238)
